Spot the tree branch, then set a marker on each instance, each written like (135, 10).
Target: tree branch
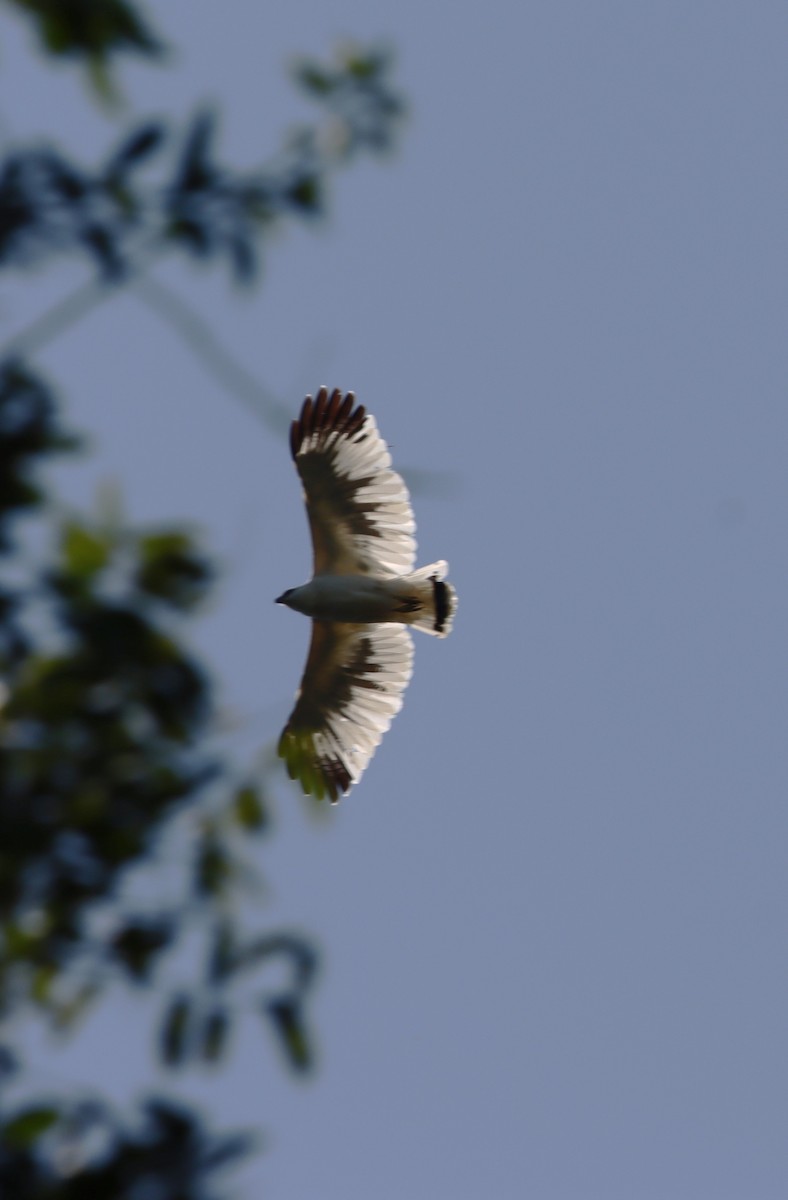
(57, 319)
(203, 342)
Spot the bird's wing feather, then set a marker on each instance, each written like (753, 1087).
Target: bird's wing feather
(351, 690)
(358, 508)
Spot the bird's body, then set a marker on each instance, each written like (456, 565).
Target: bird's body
(368, 599)
(363, 593)
(342, 598)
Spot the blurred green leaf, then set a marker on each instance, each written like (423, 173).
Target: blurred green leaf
(172, 570)
(43, 979)
(306, 193)
(249, 808)
(175, 1032)
(215, 1033)
(28, 1126)
(287, 1019)
(214, 867)
(362, 65)
(138, 944)
(92, 30)
(196, 169)
(9, 1063)
(84, 551)
(314, 78)
(222, 956)
(29, 430)
(140, 144)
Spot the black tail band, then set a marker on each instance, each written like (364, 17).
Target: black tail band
(440, 595)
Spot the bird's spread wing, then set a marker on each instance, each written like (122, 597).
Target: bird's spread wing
(351, 690)
(358, 508)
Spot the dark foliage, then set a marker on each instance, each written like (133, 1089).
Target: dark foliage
(93, 32)
(103, 718)
(160, 189)
(85, 1151)
(102, 726)
(108, 743)
(84, 28)
(28, 431)
(358, 92)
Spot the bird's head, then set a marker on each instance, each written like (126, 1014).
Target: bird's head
(285, 597)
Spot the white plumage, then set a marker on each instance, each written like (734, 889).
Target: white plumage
(363, 595)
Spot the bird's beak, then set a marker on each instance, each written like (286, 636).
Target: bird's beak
(280, 599)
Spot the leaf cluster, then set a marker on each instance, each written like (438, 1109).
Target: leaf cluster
(357, 91)
(109, 749)
(160, 189)
(84, 1150)
(199, 1022)
(104, 720)
(28, 432)
(93, 32)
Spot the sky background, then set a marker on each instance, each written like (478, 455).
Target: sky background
(554, 912)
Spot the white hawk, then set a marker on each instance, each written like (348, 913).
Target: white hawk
(363, 595)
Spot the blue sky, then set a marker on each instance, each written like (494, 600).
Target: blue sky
(554, 911)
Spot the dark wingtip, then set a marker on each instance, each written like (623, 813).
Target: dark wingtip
(344, 410)
(324, 415)
(333, 406)
(302, 426)
(320, 408)
(308, 416)
(356, 420)
(295, 438)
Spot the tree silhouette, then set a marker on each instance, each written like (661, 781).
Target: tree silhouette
(104, 711)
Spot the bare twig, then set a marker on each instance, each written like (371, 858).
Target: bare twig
(57, 319)
(203, 342)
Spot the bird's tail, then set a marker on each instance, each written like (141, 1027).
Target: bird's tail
(434, 600)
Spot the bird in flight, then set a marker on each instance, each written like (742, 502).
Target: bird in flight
(362, 597)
